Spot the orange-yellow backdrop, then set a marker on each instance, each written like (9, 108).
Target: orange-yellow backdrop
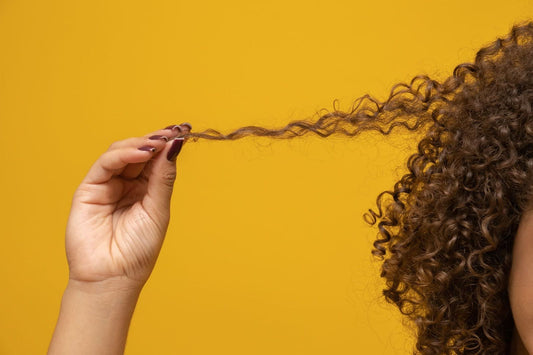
(267, 251)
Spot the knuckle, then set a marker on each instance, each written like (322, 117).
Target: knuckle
(169, 177)
(113, 145)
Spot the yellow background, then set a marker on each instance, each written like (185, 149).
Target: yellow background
(267, 251)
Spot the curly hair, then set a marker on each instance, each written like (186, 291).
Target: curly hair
(446, 232)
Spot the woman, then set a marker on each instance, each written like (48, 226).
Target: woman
(456, 239)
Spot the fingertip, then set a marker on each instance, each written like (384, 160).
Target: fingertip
(175, 148)
(158, 137)
(147, 148)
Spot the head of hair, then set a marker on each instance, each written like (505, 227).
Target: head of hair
(446, 230)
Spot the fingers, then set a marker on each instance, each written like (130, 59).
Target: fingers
(134, 152)
(161, 174)
(164, 134)
(132, 171)
(113, 163)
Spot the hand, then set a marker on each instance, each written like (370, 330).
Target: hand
(121, 210)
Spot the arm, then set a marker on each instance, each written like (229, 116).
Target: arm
(94, 319)
(117, 224)
(521, 284)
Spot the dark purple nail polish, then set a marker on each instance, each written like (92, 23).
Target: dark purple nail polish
(187, 124)
(174, 127)
(147, 148)
(157, 136)
(175, 149)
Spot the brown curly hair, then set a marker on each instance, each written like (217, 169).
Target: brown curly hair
(446, 234)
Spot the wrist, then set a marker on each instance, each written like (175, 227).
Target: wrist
(94, 317)
(118, 285)
(110, 299)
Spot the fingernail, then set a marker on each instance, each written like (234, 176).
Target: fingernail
(187, 124)
(174, 127)
(147, 148)
(175, 149)
(157, 136)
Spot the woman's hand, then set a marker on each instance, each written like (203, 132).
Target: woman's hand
(121, 210)
(117, 224)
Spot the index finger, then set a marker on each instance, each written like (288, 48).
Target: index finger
(114, 161)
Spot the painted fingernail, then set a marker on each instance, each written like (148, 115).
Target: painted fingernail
(175, 149)
(174, 127)
(158, 136)
(147, 148)
(187, 124)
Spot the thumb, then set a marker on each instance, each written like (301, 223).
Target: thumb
(161, 178)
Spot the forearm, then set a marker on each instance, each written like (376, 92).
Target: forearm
(94, 318)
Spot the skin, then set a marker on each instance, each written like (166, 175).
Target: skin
(117, 224)
(521, 285)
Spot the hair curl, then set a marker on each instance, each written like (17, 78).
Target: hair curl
(446, 234)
